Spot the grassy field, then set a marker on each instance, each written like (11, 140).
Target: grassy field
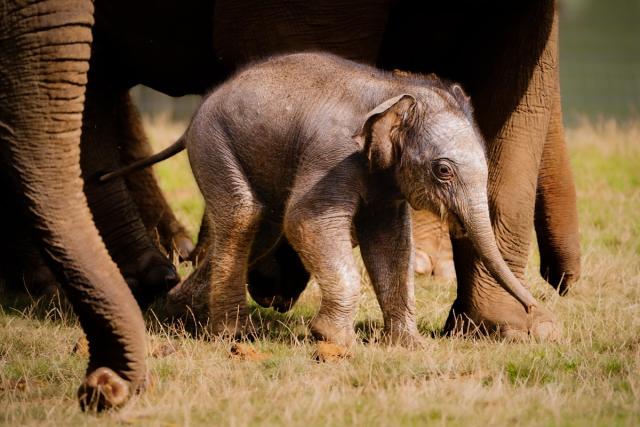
(590, 377)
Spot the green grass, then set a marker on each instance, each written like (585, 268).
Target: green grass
(590, 377)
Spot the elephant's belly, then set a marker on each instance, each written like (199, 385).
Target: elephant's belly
(352, 29)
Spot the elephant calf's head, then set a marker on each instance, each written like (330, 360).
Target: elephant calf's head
(430, 142)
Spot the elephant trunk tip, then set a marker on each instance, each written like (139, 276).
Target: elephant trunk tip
(523, 295)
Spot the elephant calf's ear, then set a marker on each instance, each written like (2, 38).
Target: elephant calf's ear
(379, 134)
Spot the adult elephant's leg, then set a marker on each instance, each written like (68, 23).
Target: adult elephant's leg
(433, 245)
(556, 216)
(148, 272)
(276, 276)
(278, 279)
(44, 58)
(522, 86)
(154, 210)
(22, 265)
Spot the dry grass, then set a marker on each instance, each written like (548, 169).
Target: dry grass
(590, 377)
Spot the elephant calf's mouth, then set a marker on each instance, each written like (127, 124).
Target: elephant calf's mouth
(457, 229)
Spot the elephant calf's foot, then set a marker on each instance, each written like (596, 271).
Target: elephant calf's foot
(330, 352)
(235, 329)
(103, 389)
(505, 319)
(188, 302)
(234, 324)
(445, 269)
(406, 338)
(325, 329)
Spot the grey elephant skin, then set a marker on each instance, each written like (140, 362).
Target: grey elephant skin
(315, 149)
(64, 121)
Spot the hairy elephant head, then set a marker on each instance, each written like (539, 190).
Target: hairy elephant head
(430, 142)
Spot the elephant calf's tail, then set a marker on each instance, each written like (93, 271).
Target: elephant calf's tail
(170, 151)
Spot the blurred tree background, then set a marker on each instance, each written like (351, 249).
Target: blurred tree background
(599, 64)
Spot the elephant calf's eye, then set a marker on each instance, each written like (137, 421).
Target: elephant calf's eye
(443, 170)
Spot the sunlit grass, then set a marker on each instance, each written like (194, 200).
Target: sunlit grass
(590, 377)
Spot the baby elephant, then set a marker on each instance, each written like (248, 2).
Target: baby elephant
(327, 153)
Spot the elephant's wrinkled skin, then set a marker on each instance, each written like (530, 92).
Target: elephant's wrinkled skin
(503, 53)
(310, 147)
(45, 50)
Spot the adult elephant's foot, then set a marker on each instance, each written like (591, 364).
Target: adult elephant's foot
(149, 275)
(103, 389)
(559, 273)
(422, 263)
(433, 255)
(494, 312)
(439, 265)
(278, 279)
(233, 323)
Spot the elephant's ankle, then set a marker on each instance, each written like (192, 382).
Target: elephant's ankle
(326, 329)
(407, 337)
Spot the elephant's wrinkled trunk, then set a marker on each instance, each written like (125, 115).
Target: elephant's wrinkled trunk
(44, 57)
(477, 222)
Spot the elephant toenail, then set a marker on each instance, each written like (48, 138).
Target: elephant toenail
(171, 278)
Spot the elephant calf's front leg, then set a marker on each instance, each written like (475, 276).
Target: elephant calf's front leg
(324, 245)
(386, 247)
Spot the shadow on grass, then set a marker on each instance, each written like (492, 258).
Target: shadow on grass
(291, 327)
(371, 331)
(268, 324)
(52, 306)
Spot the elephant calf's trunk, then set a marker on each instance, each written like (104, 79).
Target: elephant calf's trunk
(481, 234)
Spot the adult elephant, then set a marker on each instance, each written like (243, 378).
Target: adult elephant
(61, 58)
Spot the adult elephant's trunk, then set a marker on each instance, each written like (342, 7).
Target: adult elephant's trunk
(477, 223)
(44, 58)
